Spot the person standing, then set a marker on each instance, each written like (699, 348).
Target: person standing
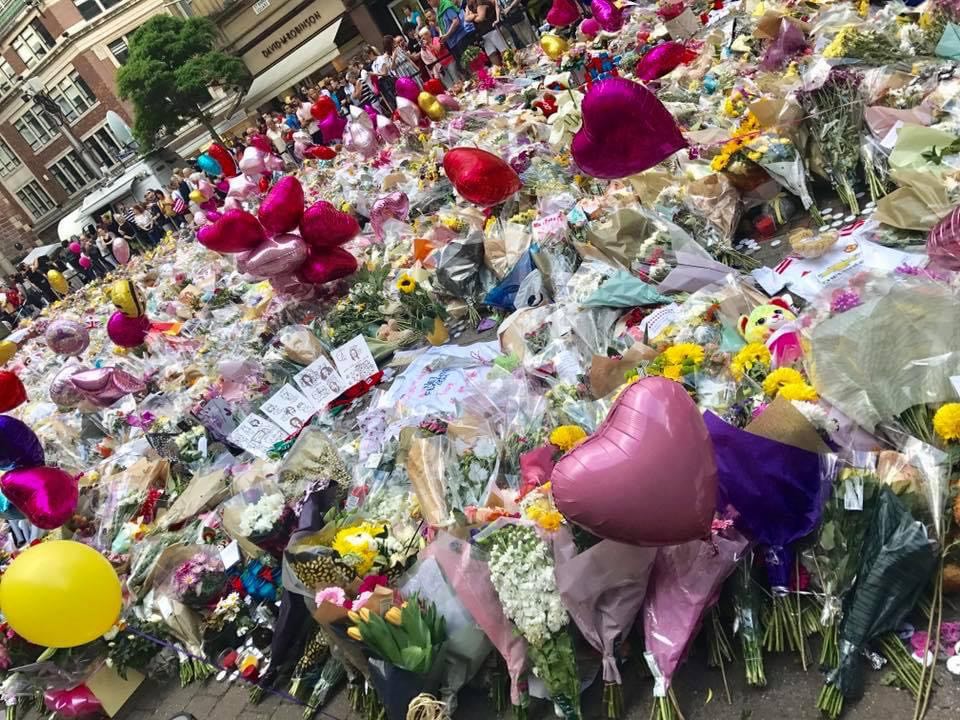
(485, 16)
(382, 68)
(453, 34)
(144, 222)
(38, 277)
(513, 17)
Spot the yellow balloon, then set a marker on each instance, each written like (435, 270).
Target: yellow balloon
(553, 46)
(58, 282)
(126, 297)
(197, 196)
(60, 594)
(8, 349)
(431, 106)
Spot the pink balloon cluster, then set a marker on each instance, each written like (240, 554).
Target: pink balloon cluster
(394, 206)
(284, 241)
(367, 129)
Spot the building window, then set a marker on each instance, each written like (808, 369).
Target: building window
(105, 147)
(73, 95)
(7, 75)
(72, 172)
(8, 161)
(33, 43)
(119, 49)
(89, 9)
(35, 199)
(35, 129)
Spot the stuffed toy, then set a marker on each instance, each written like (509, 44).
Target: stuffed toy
(772, 324)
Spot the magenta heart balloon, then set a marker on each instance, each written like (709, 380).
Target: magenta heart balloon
(261, 143)
(47, 496)
(395, 206)
(563, 13)
(104, 386)
(407, 87)
(943, 242)
(127, 331)
(647, 476)
(236, 231)
(448, 102)
(661, 60)
(625, 130)
(282, 208)
(332, 127)
(324, 266)
(607, 15)
(279, 255)
(590, 27)
(324, 226)
(62, 390)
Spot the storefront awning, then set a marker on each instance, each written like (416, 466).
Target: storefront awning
(310, 56)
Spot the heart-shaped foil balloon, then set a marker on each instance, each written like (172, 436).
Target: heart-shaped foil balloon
(12, 391)
(279, 255)
(19, 445)
(386, 130)
(319, 152)
(62, 390)
(236, 231)
(282, 208)
(395, 206)
(121, 249)
(662, 59)
(434, 86)
(647, 476)
(66, 336)
(332, 127)
(407, 88)
(479, 176)
(590, 27)
(608, 15)
(323, 107)
(104, 386)
(326, 265)
(360, 138)
(224, 159)
(448, 102)
(430, 106)
(563, 13)
(408, 112)
(252, 161)
(241, 188)
(260, 142)
(324, 226)
(127, 331)
(943, 242)
(625, 130)
(47, 496)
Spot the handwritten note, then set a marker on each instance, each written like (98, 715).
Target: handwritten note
(355, 361)
(257, 435)
(289, 408)
(217, 417)
(320, 382)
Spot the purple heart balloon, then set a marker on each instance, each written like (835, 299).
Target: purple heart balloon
(625, 130)
(661, 60)
(47, 496)
(280, 255)
(324, 266)
(608, 15)
(104, 386)
(563, 13)
(127, 331)
(324, 226)
(67, 337)
(395, 206)
(332, 127)
(62, 391)
(19, 445)
(235, 231)
(282, 208)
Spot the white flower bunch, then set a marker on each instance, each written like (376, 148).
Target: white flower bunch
(228, 608)
(522, 573)
(260, 517)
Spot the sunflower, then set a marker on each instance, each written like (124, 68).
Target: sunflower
(567, 437)
(780, 377)
(753, 356)
(673, 372)
(946, 422)
(358, 546)
(406, 284)
(798, 391)
(683, 353)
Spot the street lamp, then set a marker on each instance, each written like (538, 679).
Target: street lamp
(33, 91)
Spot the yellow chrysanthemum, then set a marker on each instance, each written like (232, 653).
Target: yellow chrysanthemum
(406, 284)
(358, 546)
(673, 372)
(946, 422)
(549, 519)
(780, 377)
(750, 355)
(683, 352)
(798, 391)
(567, 437)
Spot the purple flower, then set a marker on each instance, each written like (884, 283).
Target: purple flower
(844, 300)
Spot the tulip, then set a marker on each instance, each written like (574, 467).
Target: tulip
(365, 614)
(394, 617)
(354, 633)
(354, 617)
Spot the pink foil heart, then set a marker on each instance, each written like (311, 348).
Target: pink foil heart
(407, 87)
(450, 103)
(647, 476)
(62, 390)
(662, 59)
(282, 208)
(625, 130)
(280, 255)
(104, 386)
(395, 206)
(236, 231)
(563, 13)
(332, 127)
(324, 226)
(261, 143)
(240, 187)
(326, 265)
(47, 496)
(608, 15)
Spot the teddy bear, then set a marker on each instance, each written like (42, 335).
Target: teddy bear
(772, 324)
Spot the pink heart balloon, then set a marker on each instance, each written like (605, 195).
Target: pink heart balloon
(662, 59)
(386, 130)
(127, 331)
(261, 143)
(237, 231)
(282, 208)
(241, 187)
(324, 226)
(395, 206)
(47, 496)
(408, 88)
(607, 15)
(85, 262)
(206, 188)
(214, 215)
(590, 27)
(563, 13)
(625, 130)
(448, 102)
(274, 163)
(290, 285)
(279, 255)
(326, 265)
(360, 138)
(408, 112)
(62, 390)
(121, 250)
(647, 476)
(332, 127)
(104, 386)
(229, 203)
(252, 161)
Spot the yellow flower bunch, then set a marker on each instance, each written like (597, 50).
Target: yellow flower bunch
(946, 422)
(780, 377)
(567, 437)
(358, 546)
(684, 352)
(526, 217)
(489, 224)
(734, 105)
(406, 284)
(799, 391)
(838, 46)
(547, 518)
(746, 131)
(452, 223)
(752, 358)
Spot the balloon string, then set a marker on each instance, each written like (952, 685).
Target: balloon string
(182, 652)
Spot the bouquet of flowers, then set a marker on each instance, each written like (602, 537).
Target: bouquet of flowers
(261, 516)
(199, 582)
(873, 47)
(779, 157)
(131, 650)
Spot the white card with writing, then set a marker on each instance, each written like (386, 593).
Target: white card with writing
(217, 416)
(230, 555)
(257, 435)
(355, 361)
(289, 408)
(321, 382)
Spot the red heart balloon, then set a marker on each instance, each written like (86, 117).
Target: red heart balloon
(224, 159)
(320, 152)
(12, 391)
(479, 176)
(280, 255)
(625, 130)
(563, 13)
(235, 231)
(47, 496)
(260, 143)
(282, 208)
(326, 265)
(322, 107)
(263, 183)
(324, 226)
(647, 476)
(434, 87)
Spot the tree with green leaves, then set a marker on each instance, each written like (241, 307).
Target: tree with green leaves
(171, 65)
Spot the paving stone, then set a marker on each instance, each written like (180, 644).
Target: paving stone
(202, 706)
(228, 707)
